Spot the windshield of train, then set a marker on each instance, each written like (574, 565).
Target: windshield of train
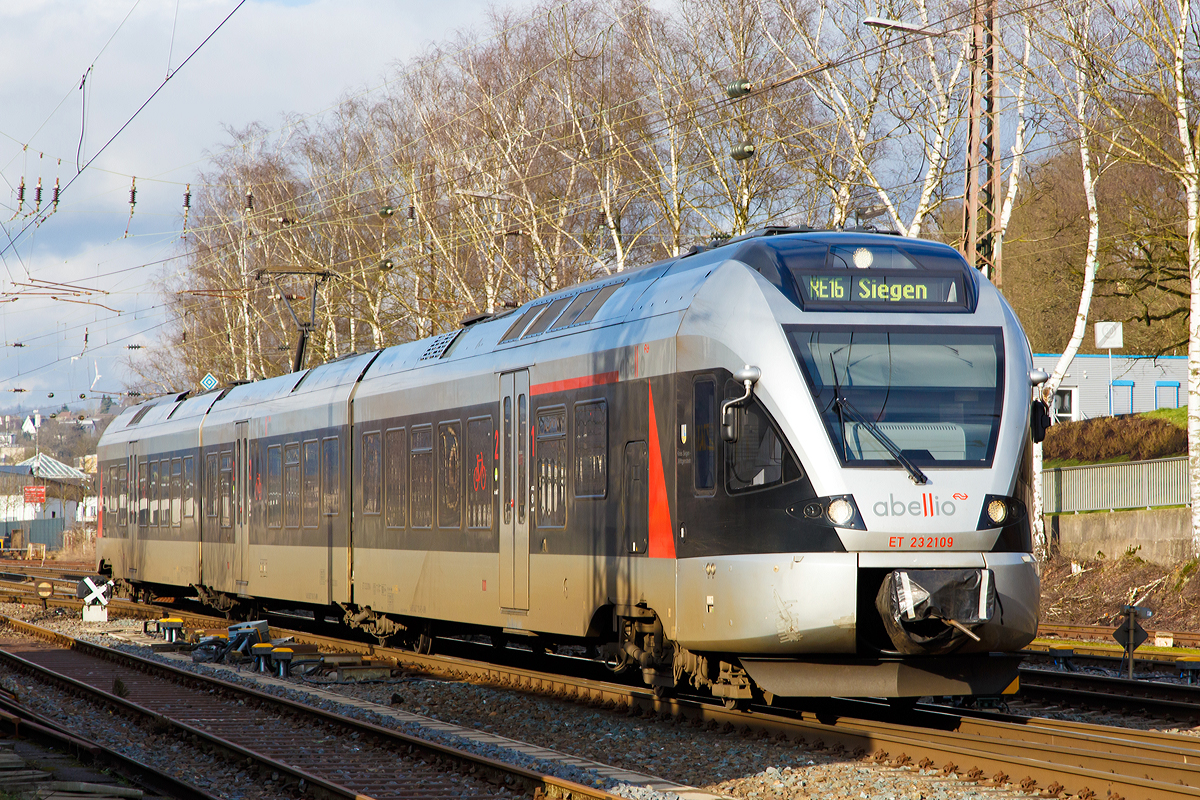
(936, 393)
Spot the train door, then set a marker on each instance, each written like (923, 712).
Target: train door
(241, 506)
(514, 490)
(635, 498)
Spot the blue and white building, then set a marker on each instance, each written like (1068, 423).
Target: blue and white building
(1138, 383)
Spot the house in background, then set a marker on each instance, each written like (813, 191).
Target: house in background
(1139, 383)
(41, 523)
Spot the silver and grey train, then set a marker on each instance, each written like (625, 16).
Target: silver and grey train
(796, 464)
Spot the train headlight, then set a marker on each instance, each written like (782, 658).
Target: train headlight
(997, 511)
(840, 512)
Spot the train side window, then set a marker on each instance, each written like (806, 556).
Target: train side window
(154, 493)
(481, 463)
(311, 507)
(506, 425)
(331, 476)
(550, 467)
(123, 496)
(394, 483)
(210, 484)
(420, 472)
(143, 507)
(227, 487)
(756, 459)
(371, 468)
(523, 436)
(450, 475)
(291, 485)
(591, 449)
(189, 487)
(177, 492)
(704, 434)
(274, 486)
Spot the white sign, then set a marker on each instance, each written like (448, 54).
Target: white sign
(210, 383)
(1110, 335)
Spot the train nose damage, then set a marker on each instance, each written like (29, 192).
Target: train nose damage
(935, 611)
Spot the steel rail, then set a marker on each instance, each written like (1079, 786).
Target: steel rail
(481, 766)
(1081, 759)
(28, 723)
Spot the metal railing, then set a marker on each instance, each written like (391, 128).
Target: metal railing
(1108, 487)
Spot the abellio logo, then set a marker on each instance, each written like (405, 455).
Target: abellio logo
(930, 505)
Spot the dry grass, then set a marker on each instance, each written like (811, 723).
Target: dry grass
(1114, 438)
(1093, 592)
(79, 545)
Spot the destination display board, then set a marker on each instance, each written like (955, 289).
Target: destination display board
(876, 290)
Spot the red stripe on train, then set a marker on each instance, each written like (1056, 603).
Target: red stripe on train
(575, 383)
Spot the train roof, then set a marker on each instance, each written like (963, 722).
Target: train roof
(610, 299)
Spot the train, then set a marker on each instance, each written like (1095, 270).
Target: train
(796, 463)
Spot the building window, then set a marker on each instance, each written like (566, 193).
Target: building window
(189, 487)
(394, 483)
(1122, 397)
(420, 473)
(482, 443)
(371, 469)
(1065, 405)
(1166, 394)
(591, 449)
(550, 467)
(450, 475)
(274, 486)
(331, 476)
(311, 505)
(291, 486)
(704, 435)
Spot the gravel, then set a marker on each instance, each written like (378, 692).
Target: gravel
(727, 764)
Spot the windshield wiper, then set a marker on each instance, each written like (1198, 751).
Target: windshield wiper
(844, 405)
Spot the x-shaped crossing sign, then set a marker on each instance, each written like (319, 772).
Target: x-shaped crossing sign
(93, 594)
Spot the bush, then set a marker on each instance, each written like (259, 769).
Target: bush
(1136, 438)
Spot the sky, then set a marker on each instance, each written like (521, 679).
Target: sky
(269, 58)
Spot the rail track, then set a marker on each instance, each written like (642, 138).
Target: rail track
(320, 753)
(1051, 756)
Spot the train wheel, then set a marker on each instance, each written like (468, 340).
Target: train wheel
(663, 692)
(499, 641)
(737, 703)
(424, 644)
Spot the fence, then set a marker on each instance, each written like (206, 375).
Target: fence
(1108, 487)
(48, 532)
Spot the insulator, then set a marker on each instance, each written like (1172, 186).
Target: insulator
(387, 211)
(134, 394)
(82, 396)
(20, 194)
(18, 344)
(249, 201)
(283, 220)
(187, 196)
(133, 347)
(739, 88)
(37, 193)
(57, 191)
(18, 391)
(387, 264)
(742, 151)
(412, 213)
(50, 394)
(133, 192)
